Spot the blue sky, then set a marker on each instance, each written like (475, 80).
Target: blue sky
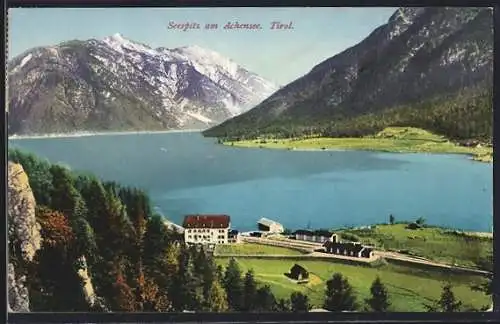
(278, 55)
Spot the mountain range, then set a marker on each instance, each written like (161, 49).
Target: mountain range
(117, 84)
(426, 67)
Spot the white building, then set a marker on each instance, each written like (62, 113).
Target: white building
(319, 236)
(206, 229)
(267, 225)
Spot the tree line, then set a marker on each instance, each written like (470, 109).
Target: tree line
(136, 263)
(465, 115)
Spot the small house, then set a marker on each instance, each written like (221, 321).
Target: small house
(234, 236)
(298, 272)
(267, 225)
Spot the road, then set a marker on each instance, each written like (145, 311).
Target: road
(310, 248)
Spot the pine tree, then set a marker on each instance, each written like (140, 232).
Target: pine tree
(155, 246)
(299, 302)
(64, 196)
(216, 300)
(265, 300)
(186, 290)
(249, 291)
(283, 305)
(379, 301)
(209, 275)
(339, 294)
(447, 302)
(233, 285)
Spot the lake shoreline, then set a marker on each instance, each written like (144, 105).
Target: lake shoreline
(390, 139)
(478, 157)
(111, 133)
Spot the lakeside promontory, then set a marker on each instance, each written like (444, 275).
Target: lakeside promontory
(391, 139)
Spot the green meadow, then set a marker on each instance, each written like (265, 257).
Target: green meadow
(254, 249)
(410, 289)
(434, 243)
(391, 139)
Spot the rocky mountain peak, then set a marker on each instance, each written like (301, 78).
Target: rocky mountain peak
(120, 84)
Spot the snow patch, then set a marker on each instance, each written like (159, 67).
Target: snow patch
(25, 60)
(118, 43)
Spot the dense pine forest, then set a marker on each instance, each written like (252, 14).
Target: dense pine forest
(466, 115)
(136, 263)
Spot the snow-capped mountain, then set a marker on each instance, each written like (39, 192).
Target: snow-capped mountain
(120, 84)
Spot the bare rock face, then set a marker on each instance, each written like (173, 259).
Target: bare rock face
(18, 293)
(120, 84)
(88, 288)
(21, 212)
(23, 233)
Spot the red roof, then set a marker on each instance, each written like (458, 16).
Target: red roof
(206, 221)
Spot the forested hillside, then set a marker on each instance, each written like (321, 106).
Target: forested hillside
(426, 67)
(135, 263)
(467, 114)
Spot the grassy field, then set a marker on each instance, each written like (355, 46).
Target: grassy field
(392, 139)
(254, 249)
(410, 289)
(434, 243)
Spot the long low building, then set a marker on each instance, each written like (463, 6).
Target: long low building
(267, 225)
(353, 249)
(320, 236)
(206, 229)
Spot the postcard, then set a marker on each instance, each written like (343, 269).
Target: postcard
(250, 159)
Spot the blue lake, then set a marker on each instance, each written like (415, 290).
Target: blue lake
(185, 173)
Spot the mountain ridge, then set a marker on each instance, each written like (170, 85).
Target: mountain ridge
(118, 84)
(419, 53)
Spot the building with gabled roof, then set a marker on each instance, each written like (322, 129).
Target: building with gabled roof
(298, 272)
(353, 249)
(206, 229)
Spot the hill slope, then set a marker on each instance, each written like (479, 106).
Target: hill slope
(423, 58)
(119, 84)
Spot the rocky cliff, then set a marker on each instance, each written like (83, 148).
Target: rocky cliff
(24, 236)
(25, 239)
